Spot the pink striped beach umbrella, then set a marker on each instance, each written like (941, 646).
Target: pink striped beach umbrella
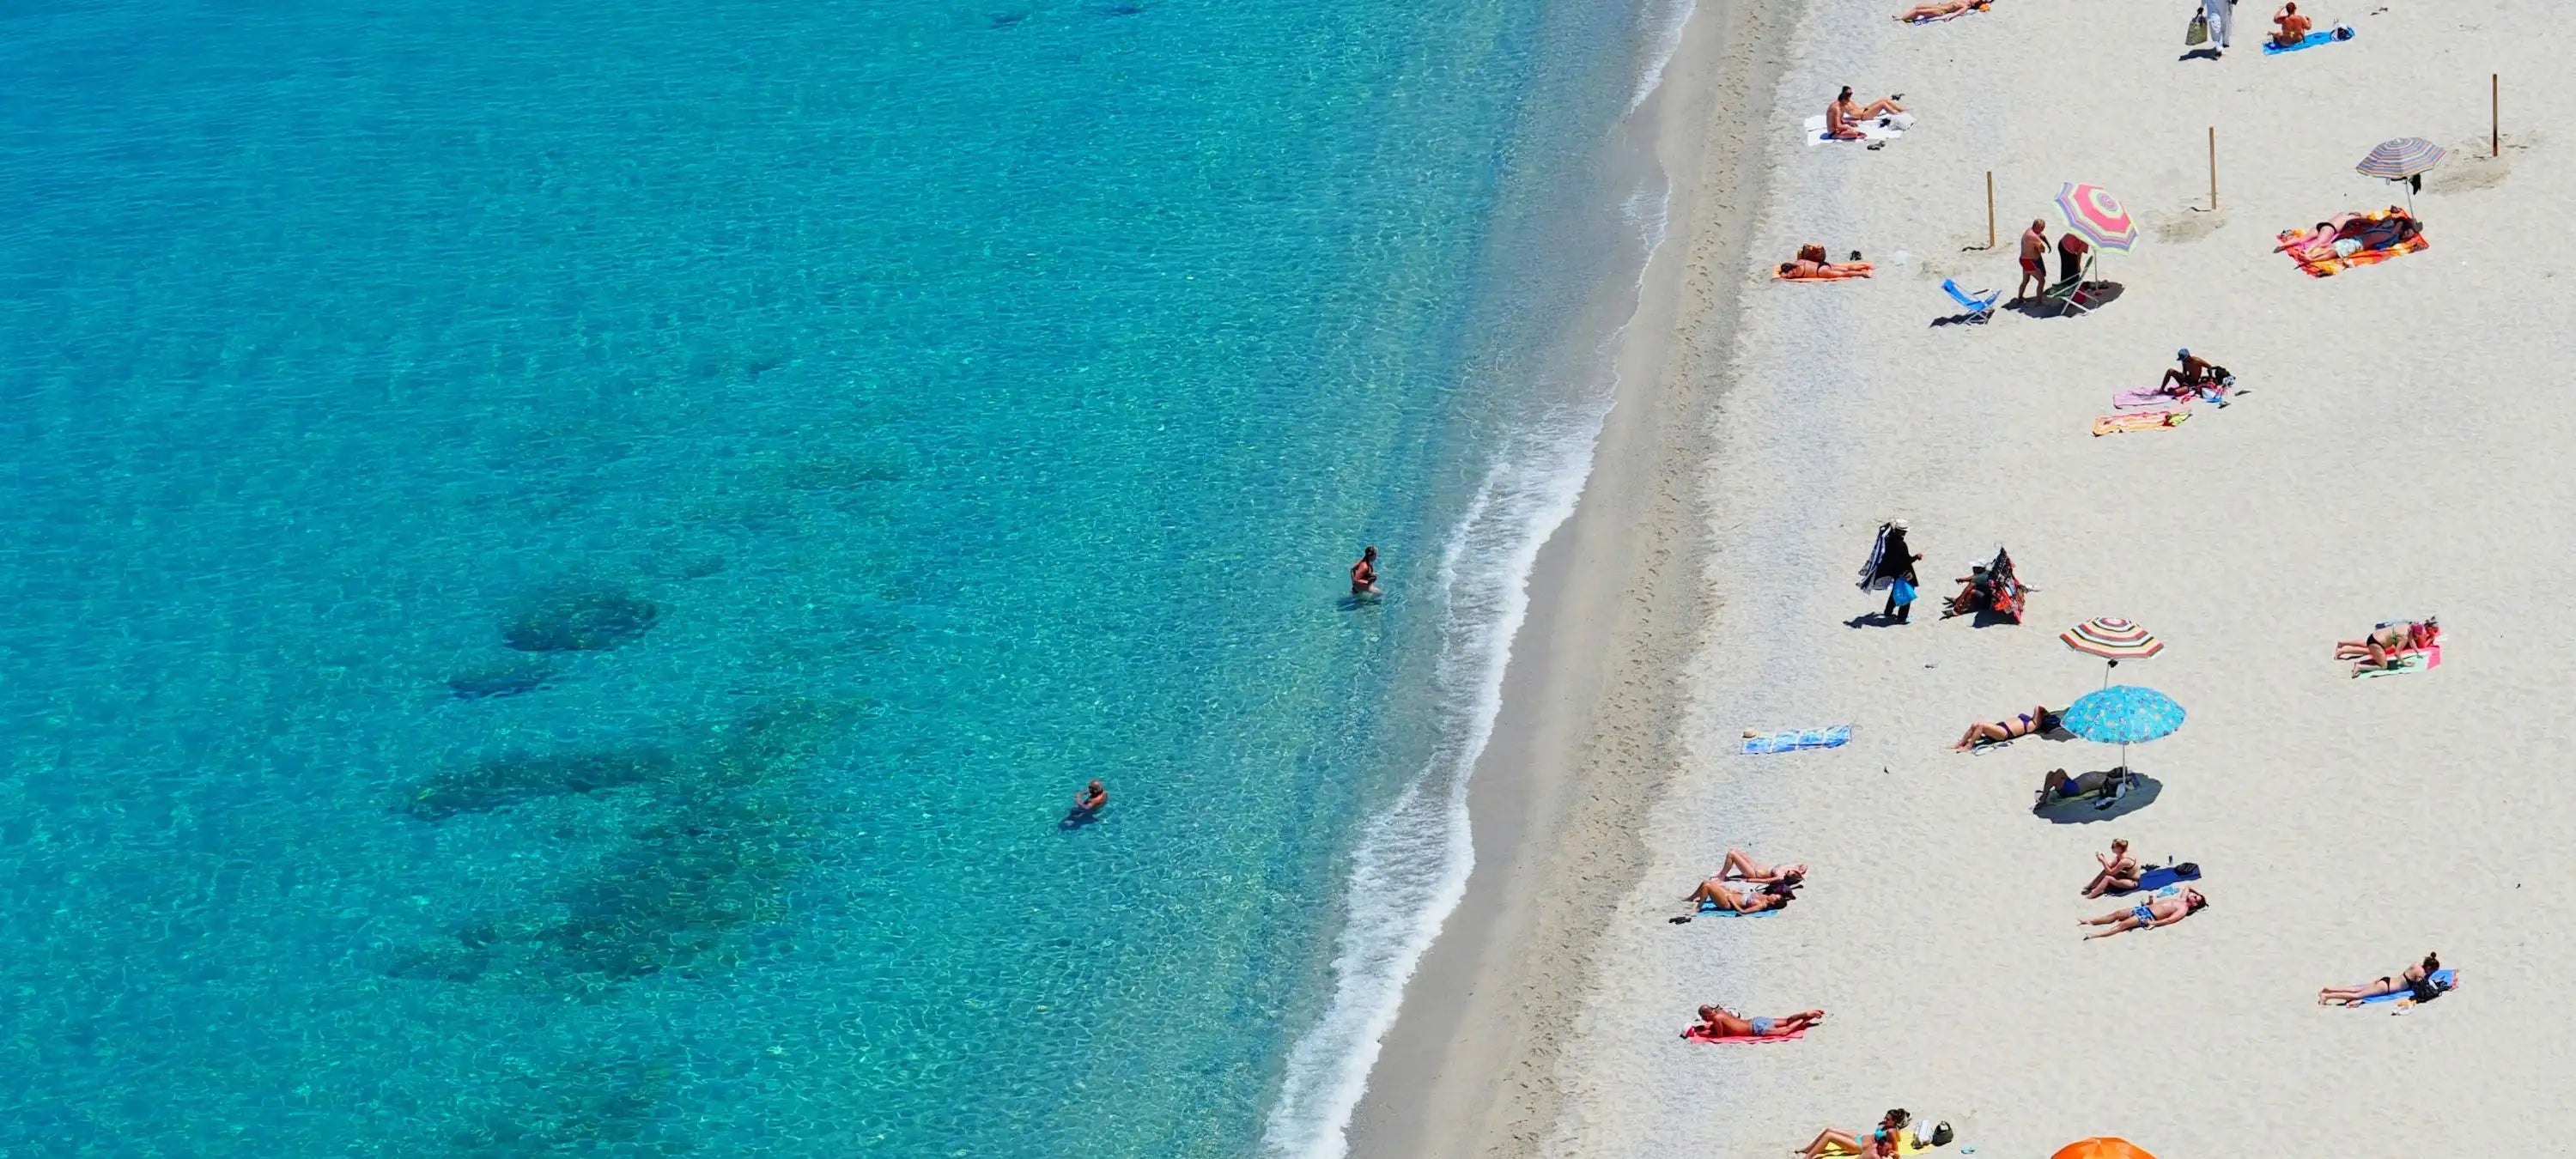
(2092, 211)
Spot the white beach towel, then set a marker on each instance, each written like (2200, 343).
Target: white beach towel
(1887, 128)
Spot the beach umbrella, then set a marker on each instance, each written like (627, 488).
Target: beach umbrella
(2112, 639)
(2092, 211)
(2399, 160)
(2123, 714)
(2101, 1148)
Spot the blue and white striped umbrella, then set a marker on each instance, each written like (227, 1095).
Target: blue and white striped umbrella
(2123, 714)
(2400, 159)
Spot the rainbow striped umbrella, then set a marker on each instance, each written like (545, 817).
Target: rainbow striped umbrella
(2112, 638)
(2400, 159)
(2092, 211)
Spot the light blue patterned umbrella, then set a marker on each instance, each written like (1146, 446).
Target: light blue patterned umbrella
(2123, 714)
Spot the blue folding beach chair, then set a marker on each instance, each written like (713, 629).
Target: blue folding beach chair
(1979, 309)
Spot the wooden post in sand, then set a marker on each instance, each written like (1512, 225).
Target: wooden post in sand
(2213, 168)
(2495, 135)
(1990, 209)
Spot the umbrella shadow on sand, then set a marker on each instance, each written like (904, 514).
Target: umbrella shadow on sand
(2141, 793)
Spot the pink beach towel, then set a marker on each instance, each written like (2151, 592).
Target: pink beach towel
(1695, 1034)
(2144, 396)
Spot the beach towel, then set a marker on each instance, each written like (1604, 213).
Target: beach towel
(2145, 420)
(1887, 128)
(1710, 909)
(2420, 660)
(1695, 1034)
(1823, 275)
(2329, 267)
(2311, 40)
(2448, 980)
(1796, 739)
(1906, 1144)
(2160, 877)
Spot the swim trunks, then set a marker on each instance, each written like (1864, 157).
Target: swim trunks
(1762, 1027)
(2146, 914)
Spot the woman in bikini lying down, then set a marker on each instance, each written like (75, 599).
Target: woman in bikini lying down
(2040, 719)
(1743, 897)
(2417, 978)
(1878, 1144)
(1720, 1022)
(1941, 9)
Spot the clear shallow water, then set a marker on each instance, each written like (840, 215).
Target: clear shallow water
(564, 562)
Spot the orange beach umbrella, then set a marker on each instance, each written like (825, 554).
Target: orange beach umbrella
(2101, 1148)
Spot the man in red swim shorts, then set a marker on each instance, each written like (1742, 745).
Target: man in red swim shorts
(2034, 260)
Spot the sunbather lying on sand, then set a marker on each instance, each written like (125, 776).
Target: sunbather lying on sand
(1942, 8)
(2417, 978)
(1824, 271)
(2163, 911)
(2060, 787)
(1720, 1022)
(1741, 865)
(2040, 719)
(2346, 234)
(1878, 1144)
(2386, 643)
(1743, 897)
(2119, 870)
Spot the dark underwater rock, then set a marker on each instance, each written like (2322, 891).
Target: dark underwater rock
(512, 780)
(581, 622)
(512, 681)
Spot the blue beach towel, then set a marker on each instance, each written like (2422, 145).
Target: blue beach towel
(2442, 978)
(1712, 909)
(1796, 739)
(2311, 40)
(2157, 879)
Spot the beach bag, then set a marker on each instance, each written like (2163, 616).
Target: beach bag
(2198, 33)
(1904, 593)
(2424, 990)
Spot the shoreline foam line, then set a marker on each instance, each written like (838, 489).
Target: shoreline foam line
(1411, 865)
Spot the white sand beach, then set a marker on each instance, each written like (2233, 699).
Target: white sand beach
(2397, 451)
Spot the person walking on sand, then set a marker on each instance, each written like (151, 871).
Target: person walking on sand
(2119, 870)
(1364, 573)
(2034, 260)
(2163, 911)
(1891, 567)
(2220, 14)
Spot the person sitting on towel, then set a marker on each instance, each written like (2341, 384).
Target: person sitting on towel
(2416, 979)
(1843, 117)
(2294, 27)
(2163, 911)
(2387, 642)
(1884, 1143)
(2119, 870)
(1743, 898)
(2040, 719)
(1719, 1022)
(1741, 865)
(2060, 787)
(1942, 8)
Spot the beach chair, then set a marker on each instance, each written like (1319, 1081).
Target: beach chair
(2074, 293)
(1992, 588)
(1979, 309)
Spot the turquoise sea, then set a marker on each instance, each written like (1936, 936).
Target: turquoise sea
(564, 561)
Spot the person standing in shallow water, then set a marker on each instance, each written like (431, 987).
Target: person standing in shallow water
(1364, 573)
(1087, 805)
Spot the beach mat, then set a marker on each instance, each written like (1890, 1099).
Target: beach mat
(1796, 740)
(2142, 397)
(1906, 1144)
(1870, 130)
(2083, 810)
(2448, 980)
(1694, 1034)
(2156, 879)
(2144, 420)
(2311, 40)
(2422, 660)
(1710, 909)
(2332, 266)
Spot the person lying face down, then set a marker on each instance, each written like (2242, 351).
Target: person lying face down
(2416, 980)
(1719, 1022)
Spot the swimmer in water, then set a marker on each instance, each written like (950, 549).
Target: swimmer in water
(1364, 574)
(1086, 806)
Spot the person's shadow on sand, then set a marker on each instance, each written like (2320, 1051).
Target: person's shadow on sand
(1875, 620)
